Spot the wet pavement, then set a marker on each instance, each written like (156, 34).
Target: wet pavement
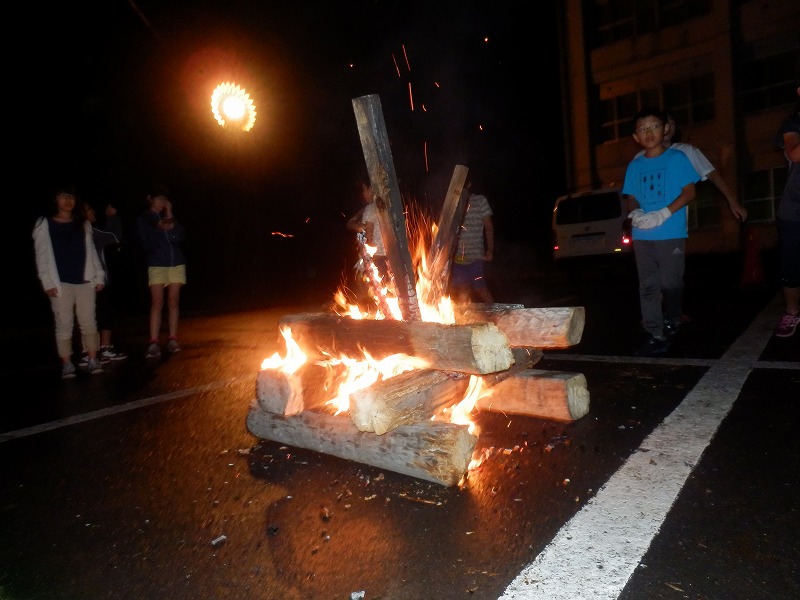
(144, 482)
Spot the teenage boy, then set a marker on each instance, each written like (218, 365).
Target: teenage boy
(659, 184)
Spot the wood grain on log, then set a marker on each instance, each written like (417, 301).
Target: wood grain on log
(389, 202)
(555, 395)
(557, 327)
(418, 395)
(477, 348)
(431, 450)
(446, 237)
(310, 386)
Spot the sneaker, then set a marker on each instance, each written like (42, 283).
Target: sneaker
(94, 367)
(68, 371)
(108, 353)
(787, 325)
(153, 350)
(83, 363)
(653, 346)
(173, 345)
(670, 329)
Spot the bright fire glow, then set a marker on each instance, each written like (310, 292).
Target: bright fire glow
(360, 372)
(232, 105)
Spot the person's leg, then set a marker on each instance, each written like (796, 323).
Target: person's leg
(87, 319)
(64, 319)
(104, 316)
(477, 273)
(646, 258)
(672, 258)
(173, 308)
(156, 308)
(789, 261)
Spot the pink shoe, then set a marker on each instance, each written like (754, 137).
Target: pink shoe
(787, 325)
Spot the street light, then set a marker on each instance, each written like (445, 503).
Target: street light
(232, 105)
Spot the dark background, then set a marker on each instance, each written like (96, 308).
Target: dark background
(115, 96)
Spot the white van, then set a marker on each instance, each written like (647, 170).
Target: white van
(591, 223)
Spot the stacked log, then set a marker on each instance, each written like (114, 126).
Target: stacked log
(399, 423)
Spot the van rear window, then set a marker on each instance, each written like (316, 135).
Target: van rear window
(594, 207)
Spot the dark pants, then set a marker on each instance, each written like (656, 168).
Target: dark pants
(660, 265)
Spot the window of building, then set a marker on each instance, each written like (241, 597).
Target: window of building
(768, 81)
(761, 192)
(623, 19)
(705, 210)
(689, 101)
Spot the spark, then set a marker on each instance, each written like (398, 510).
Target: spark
(408, 64)
(286, 235)
(410, 97)
(396, 68)
(425, 152)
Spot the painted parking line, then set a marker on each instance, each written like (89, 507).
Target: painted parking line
(595, 553)
(120, 408)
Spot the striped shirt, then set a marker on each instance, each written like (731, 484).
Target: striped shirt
(470, 237)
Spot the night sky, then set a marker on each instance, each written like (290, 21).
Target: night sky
(117, 97)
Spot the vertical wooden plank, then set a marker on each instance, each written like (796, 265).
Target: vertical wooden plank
(444, 241)
(391, 215)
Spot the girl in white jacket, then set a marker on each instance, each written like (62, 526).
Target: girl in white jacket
(71, 274)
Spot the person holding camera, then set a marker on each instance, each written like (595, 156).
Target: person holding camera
(161, 236)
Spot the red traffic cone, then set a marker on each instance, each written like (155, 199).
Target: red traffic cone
(753, 271)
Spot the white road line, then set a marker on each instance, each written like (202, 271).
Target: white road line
(113, 410)
(596, 552)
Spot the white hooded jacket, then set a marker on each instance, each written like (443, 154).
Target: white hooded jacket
(46, 260)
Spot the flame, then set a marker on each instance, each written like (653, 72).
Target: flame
(356, 373)
(294, 359)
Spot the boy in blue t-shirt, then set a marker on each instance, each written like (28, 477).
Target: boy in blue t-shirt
(659, 185)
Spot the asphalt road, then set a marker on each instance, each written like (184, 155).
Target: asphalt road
(681, 482)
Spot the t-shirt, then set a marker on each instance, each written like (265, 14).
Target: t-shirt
(656, 182)
(370, 215)
(699, 161)
(470, 245)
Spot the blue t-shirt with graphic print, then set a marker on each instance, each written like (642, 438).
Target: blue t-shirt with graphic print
(655, 182)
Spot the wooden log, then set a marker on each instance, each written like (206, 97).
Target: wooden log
(555, 395)
(389, 202)
(477, 348)
(435, 451)
(418, 395)
(446, 237)
(289, 394)
(557, 327)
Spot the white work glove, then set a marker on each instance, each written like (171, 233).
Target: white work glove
(635, 215)
(652, 219)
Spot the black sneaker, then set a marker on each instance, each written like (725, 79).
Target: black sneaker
(652, 346)
(670, 329)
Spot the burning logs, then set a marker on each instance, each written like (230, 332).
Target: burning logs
(418, 395)
(552, 395)
(435, 451)
(559, 327)
(476, 348)
(390, 423)
(288, 394)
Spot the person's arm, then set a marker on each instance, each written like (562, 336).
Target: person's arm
(356, 222)
(791, 146)
(488, 230)
(685, 198)
(113, 222)
(738, 211)
(654, 218)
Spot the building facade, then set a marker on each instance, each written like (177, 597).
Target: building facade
(727, 70)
